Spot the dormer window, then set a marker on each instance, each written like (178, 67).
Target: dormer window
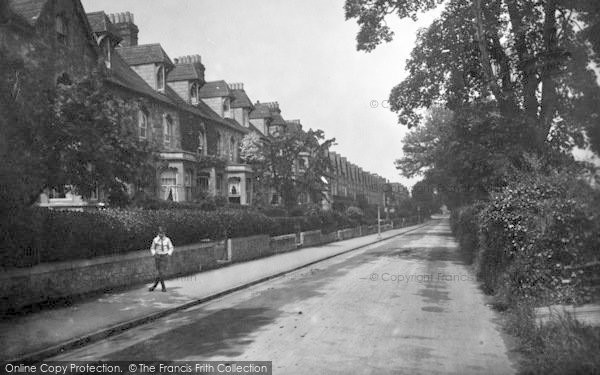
(160, 78)
(62, 33)
(225, 106)
(194, 93)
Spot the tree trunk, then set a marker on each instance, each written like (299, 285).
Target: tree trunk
(550, 71)
(490, 83)
(526, 63)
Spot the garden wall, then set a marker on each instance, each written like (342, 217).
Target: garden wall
(25, 286)
(285, 243)
(21, 287)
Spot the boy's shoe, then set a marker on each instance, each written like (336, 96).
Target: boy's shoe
(164, 289)
(151, 289)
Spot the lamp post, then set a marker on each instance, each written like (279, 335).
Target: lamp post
(378, 223)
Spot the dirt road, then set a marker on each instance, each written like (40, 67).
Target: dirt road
(404, 306)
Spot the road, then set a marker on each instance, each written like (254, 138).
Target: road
(408, 305)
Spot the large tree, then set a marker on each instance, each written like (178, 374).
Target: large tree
(531, 59)
(76, 135)
(274, 161)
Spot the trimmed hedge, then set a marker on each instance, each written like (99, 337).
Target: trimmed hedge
(40, 235)
(532, 237)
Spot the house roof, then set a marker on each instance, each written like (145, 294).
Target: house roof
(237, 125)
(122, 75)
(278, 120)
(261, 110)
(144, 54)
(100, 23)
(186, 72)
(215, 89)
(29, 10)
(240, 99)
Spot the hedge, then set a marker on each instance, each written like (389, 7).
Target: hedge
(532, 238)
(40, 235)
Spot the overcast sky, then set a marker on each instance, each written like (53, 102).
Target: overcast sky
(300, 53)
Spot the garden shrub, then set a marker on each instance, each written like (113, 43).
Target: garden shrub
(39, 235)
(464, 223)
(533, 232)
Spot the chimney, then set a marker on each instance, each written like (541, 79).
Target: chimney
(126, 27)
(236, 86)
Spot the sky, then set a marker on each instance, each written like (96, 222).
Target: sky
(299, 53)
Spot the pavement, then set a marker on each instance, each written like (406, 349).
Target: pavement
(42, 334)
(407, 305)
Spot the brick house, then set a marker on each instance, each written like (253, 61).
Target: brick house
(190, 137)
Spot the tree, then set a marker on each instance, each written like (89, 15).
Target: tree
(274, 162)
(465, 155)
(77, 135)
(531, 59)
(425, 197)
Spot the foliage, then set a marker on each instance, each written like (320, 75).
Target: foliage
(561, 346)
(425, 198)
(212, 161)
(37, 235)
(531, 60)
(76, 135)
(275, 163)
(534, 235)
(464, 222)
(356, 214)
(467, 155)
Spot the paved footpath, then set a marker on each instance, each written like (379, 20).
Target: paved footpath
(40, 334)
(408, 305)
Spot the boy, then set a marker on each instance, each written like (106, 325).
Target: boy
(161, 248)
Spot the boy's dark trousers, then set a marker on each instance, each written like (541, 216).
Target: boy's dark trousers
(161, 264)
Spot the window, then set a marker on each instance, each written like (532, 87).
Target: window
(188, 185)
(160, 78)
(62, 34)
(218, 144)
(143, 123)
(194, 93)
(168, 184)
(302, 164)
(168, 129)
(64, 79)
(201, 142)
(232, 149)
(202, 181)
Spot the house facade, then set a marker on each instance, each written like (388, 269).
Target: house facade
(197, 148)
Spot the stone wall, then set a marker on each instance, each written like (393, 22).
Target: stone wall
(312, 238)
(285, 243)
(50, 281)
(247, 248)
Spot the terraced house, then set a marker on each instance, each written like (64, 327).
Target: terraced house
(197, 147)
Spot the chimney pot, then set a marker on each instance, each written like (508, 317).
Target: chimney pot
(176, 61)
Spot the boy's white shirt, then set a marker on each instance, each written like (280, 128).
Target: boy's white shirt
(158, 245)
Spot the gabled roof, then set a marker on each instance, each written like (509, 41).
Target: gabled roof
(100, 24)
(144, 54)
(278, 120)
(29, 10)
(261, 110)
(215, 89)
(122, 75)
(237, 125)
(186, 72)
(240, 99)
